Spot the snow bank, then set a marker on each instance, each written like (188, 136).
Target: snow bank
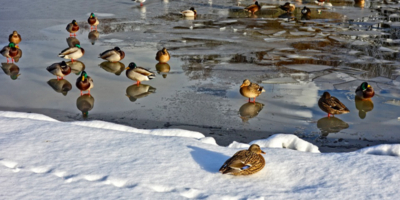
(383, 149)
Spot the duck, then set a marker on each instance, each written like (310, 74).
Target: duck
(72, 52)
(163, 56)
(113, 55)
(365, 91)
(84, 83)
(10, 51)
(140, 1)
(251, 90)
(85, 103)
(244, 162)
(253, 8)
(59, 69)
(189, 13)
(331, 105)
(60, 86)
(306, 11)
(93, 36)
(14, 37)
(93, 21)
(134, 92)
(72, 27)
(138, 74)
(288, 7)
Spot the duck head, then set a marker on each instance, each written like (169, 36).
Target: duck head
(326, 95)
(84, 75)
(74, 22)
(92, 15)
(365, 86)
(132, 65)
(256, 149)
(245, 83)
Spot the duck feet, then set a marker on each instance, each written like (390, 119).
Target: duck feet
(72, 60)
(81, 93)
(7, 60)
(141, 4)
(74, 35)
(96, 28)
(137, 82)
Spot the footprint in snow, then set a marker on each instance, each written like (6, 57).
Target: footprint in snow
(41, 169)
(10, 164)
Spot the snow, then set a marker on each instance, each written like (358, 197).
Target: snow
(43, 158)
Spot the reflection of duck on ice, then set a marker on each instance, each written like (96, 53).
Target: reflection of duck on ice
(250, 110)
(85, 103)
(331, 125)
(135, 92)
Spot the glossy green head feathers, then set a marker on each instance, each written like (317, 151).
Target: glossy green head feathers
(364, 86)
(12, 45)
(132, 65)
(92, 15)
(77, 45)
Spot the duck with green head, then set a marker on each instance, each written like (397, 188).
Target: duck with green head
(59, 69)
(72, 28)
(138, 74)
(365, 91)
(72, 52)
(10, 51)
(93, 21)
(84, 82)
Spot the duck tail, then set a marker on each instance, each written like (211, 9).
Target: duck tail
(61, 56)
(152, 76)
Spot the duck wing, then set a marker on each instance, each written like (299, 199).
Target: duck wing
(68, 51)
(107, 53)
(143, 71)
(335, 104)
(159, 54)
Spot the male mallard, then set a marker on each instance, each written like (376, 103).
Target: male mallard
(331, 105)
(85, 103)
(113, 55)
(72, 27)
(14, 38)
(138, 74)
(134, 92)
(93, 36)
(72, 53)
(253, 8)
(61, 86)
(59, 69)
(306, 11)
(11, 69)
(10, 51)
(288, 7)
(365, 91)
(84, 82)
(244, 162)
(189, 13)
(251, 90)
(163, 56)
(93, 21)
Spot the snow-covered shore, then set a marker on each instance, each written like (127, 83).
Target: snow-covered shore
(42, 158)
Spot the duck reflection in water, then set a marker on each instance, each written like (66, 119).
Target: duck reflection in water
(163, 69)
(289, 16)
(85, 103)
(93, 36)
(11, 69)
(113, 67)
(135, 92)
(363, 106)
(331, 125)
(76, 67)
(61, 86)
(250, 110)
(72, 41)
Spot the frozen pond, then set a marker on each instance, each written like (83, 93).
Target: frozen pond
(293, 58)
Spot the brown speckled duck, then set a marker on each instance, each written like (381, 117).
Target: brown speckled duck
(244, 162)
(14, 38)
(251, 90)
(365, 91)
(163, 56)
(331, 105)
(253, 8)
(72, 28)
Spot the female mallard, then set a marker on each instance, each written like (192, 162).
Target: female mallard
(10, 51)
(14, 38)
(251, 90)
(113, 55)
(288, 7)
(253, 8)
(84, 82)
(93, 21)
(189, 13)
(365, 91)
(72, 27)
(72, 53)
(244, 162)
(138, 74)
(163, 56)
(59, 69)
(331, 105)
(306, 12)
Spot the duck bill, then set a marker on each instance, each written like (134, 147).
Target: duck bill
(369, 86)
(127, 68)
(83, 78)
(242, 85)
(262, 152)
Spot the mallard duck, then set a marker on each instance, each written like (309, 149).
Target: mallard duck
(84, 82)
(72, 53)
(306, 12)
(61, 86)
(250, 110)
(85, 103)
(331, 105)
(134, 92)
(10, 51)
(363, 106)
(244, 162)
(163, 69)
(251, 90)
(113, 55)
(14, 38)
(365, 91)
(288, 7)
(59, 69)
(72, 27)
(93, 36)
(138, 74)
(73, 41)
(189, 13)
(113, 67)
(253, 8)
(11, 69)
(93, 21)
(163, 56)
(140, 1)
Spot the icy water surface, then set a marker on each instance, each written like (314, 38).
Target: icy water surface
(295, 58)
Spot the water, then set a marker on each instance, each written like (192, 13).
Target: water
(294, 59)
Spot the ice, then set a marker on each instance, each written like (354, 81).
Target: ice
(101, 14)
(283, 80)
(308, 67)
